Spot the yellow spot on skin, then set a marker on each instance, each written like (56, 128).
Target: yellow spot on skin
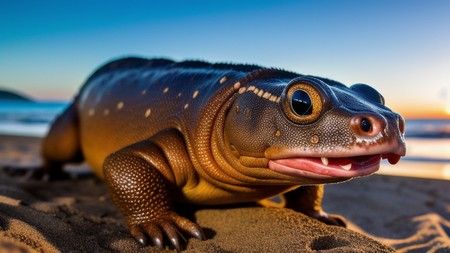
(120, 105)
(106, 112)
(166, 90)
(186, 106)
(247, 113)
(277, 133)
(148, 112)
(237, 85)
(195, 94)
(261, 93)
(237, 108)
(91, 112)
(223, 79)
(144, 92)
(314, 139)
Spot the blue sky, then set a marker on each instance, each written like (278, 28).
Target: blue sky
(402, 48)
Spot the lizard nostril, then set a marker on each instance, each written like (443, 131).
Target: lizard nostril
(366, 125)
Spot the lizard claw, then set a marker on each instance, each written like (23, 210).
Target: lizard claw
(168, 224)
(330, 219)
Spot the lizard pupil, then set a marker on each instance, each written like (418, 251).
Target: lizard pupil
(366, 126)
(301, 103)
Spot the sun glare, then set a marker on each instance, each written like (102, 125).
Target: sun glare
(447, 101)
(447, 105)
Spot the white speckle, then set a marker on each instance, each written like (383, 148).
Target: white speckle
(195, 94)
(148, 112)
(179, 94)
(166, 90)
(373, 140)
(242, 90)
(186, 106)
(237, 85)
(106, 112)
(91, 112)
(144, 92)
(120, 105)
(223, 79)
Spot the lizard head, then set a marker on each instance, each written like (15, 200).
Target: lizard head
(312, 129)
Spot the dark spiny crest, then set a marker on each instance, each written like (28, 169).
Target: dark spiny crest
(256, 71)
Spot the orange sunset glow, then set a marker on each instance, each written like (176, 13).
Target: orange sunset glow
(410, 112)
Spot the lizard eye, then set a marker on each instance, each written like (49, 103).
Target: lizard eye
(302, 103)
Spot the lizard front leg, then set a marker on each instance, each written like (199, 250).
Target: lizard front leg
(308, 200)
(137, 180)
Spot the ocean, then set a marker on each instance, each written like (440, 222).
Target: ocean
(28, 118)
(427, 140)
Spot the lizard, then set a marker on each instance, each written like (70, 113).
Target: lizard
(159, 132)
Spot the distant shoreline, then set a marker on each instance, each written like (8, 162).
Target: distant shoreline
(7, 95)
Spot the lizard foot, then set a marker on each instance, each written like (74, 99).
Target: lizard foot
(36, 173)
(168, 224)
(330, 219)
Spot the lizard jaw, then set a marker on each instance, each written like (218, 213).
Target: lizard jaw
(325, 168)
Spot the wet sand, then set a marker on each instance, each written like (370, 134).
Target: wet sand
(411, 215)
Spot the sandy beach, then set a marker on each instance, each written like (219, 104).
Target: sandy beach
(76, 215)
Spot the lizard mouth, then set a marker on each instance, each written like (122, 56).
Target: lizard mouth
(320, 168)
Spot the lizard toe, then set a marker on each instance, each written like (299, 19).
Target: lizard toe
(330, 219)
(338, 220)
(172, 233)
(155, 234)
(136, 232)
(189, 227)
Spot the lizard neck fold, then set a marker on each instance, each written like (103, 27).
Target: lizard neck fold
(227, 167)
(213, 156)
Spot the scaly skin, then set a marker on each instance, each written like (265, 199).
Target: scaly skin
(159, 131)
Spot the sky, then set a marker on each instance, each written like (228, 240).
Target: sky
(48, 48)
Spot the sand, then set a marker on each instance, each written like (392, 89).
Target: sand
(409, 214)
(76, 215)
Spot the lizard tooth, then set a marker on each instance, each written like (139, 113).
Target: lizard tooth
(324, 160)
(346, 166)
